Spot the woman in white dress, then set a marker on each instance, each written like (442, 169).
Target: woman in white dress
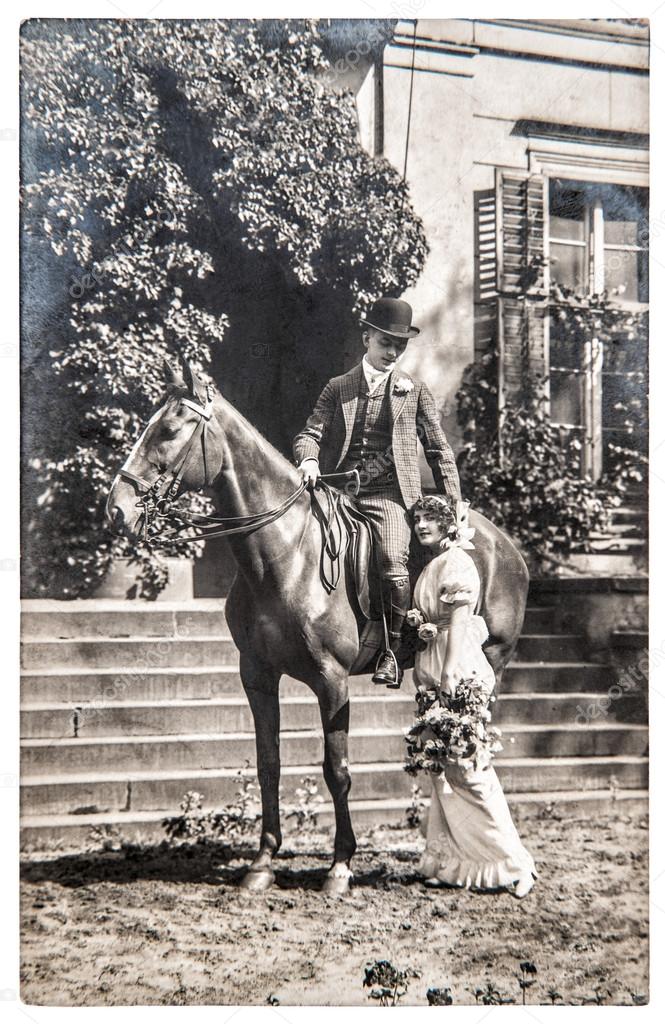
(471, 838)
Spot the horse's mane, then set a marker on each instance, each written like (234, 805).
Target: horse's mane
(262, 443)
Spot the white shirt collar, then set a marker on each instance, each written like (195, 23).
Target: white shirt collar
(373, 376)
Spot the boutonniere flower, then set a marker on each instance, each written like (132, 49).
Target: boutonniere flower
(402, 386)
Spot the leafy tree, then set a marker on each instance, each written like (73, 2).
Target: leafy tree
(185, 183)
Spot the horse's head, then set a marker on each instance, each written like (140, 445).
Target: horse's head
(173, 454)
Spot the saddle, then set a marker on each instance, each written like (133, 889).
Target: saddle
(348, 534)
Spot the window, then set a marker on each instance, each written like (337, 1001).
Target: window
(599, 238)
(598, 241)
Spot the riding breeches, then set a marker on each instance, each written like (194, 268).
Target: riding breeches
(393, 534)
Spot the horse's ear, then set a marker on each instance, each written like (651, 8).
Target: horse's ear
(173, 376)
(192, 382)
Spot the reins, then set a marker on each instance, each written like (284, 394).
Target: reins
(212, 525)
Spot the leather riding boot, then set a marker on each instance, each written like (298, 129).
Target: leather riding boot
(387, 670)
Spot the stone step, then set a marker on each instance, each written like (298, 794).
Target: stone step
(69, 685)
(88, 619)
(604, 564)
(135, 653)
(620, 528)
(630, 512)
(139, 653)
(232, 714)
(540, 620)
(630, 639)
(619, 544)
(74, 829)
(551, 647)
(52, 620)
(557, 677)
(97, 792)
(76, 685)
(228, 750)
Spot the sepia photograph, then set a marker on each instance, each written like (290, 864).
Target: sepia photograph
(334, 568)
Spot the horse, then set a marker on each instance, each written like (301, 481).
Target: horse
(281, 618)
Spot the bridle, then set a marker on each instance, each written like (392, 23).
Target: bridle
(157, 499)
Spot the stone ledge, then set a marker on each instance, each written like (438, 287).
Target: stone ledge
(589, 585)
(629, 639)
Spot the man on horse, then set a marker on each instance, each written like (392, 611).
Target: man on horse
(369, 419)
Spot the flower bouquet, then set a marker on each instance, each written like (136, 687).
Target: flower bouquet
(426, 630)
(453, 730)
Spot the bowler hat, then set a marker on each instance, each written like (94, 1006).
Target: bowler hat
(391, 316)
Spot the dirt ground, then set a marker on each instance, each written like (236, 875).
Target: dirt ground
(168, 925)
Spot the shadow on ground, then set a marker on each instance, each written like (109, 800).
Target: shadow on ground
(207, 863)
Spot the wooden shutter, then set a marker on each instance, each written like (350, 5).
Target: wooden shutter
(521, 309)
(485, 272)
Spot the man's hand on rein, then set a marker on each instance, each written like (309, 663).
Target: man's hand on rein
(310, 472)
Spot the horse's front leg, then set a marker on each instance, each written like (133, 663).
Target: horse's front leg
(334, 704)
(261, 685)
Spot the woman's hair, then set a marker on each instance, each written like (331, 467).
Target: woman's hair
(436, 506)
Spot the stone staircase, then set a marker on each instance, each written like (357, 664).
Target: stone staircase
(127, 706)
(623, 547)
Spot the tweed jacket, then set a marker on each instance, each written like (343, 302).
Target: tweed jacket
(327, 434)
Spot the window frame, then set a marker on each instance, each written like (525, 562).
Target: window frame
(590, 370)
(596, 162)
(593, 243)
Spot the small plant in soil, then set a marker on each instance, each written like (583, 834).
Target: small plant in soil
(549, 812)
(306, 810)
(232, 822)
(386, 982)
(491, 996)
(527, 979)
(192, 824)
(439, 997)
(239, 819)
(107, 836)
(554, 996)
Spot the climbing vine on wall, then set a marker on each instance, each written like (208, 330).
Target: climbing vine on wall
(529, 477)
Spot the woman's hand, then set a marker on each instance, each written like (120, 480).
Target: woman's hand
(448, 685)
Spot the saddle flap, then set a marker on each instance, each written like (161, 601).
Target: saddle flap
(359, 557)
(345, 533)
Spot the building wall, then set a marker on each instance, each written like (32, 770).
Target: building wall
(472, 82)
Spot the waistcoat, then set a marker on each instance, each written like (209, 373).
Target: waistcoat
(372, 428)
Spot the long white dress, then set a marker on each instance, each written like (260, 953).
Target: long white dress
(471, 837)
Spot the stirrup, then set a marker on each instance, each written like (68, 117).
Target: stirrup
(398, 672)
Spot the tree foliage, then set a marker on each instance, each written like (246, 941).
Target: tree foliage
(154, 154)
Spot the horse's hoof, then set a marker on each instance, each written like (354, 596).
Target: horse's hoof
(257, 881)
(337, 885)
